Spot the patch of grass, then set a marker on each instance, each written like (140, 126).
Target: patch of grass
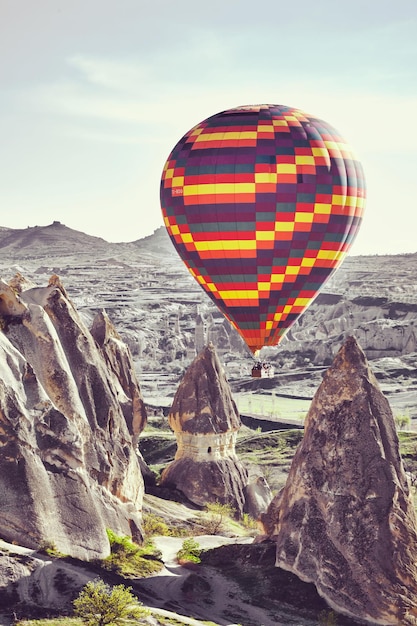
(277, 441)
(218, 514)
(49, 548)
(154, 525)
(408, 443)
(327, 618)
(168, 621)
(131, 560)
(271, 452)
(270, 405)
(248, 522)
(57, 621)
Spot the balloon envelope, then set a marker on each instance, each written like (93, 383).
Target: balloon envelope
(262, 204)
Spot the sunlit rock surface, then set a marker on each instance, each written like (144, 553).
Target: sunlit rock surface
(345, 520)
(120, 362)
(68, 465)
(205, 420)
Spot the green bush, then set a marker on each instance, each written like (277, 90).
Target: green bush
(130, 560)
(49, 548)
(248, 522)
(190, 551)
(327, 618)
(155, 525)
(98, 604)
(402, 422)
(218, 513)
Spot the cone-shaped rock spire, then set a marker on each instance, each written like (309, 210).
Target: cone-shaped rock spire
(205, 420)
(345, 520)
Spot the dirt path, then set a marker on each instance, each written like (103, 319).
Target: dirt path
(202, 592)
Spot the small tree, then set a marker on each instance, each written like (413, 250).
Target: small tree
(98, 604)
(190, 551)
(218, 513)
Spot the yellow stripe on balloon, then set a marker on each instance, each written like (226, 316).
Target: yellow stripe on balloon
(248, 134)
(225, 244)
(319, 152)
(239, 294)
(284, 226)
(331, 255)
(286, 168)
(308, 262)
(323, 208)
(301, 301)
(265, 235)
(218, 188)
(304, 217)
(304, 159)
(265, 177)
(264, 286)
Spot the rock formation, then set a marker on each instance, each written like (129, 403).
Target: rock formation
(258, 496)
(205, 420)
(120, 362)
(42, 585)
(383, 327)
(345, 520)
(69, 414)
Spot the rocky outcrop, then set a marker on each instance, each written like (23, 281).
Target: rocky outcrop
(258, 496)
(68, 464)
(205, 420)
(120, 362)
(383, 327)
(40, 584)
(345, 520)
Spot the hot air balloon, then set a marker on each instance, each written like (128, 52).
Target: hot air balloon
(262, 203)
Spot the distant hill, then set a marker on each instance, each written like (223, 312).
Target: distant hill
(158, 242)
(57, 240)
(39, 241)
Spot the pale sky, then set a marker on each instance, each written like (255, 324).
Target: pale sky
(94, 94)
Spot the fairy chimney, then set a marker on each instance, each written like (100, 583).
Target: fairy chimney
(205, 420)
(345, 519)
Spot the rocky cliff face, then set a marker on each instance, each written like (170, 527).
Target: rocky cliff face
(345, 519)
(70, 411)
(384, 327)
(205, 420)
